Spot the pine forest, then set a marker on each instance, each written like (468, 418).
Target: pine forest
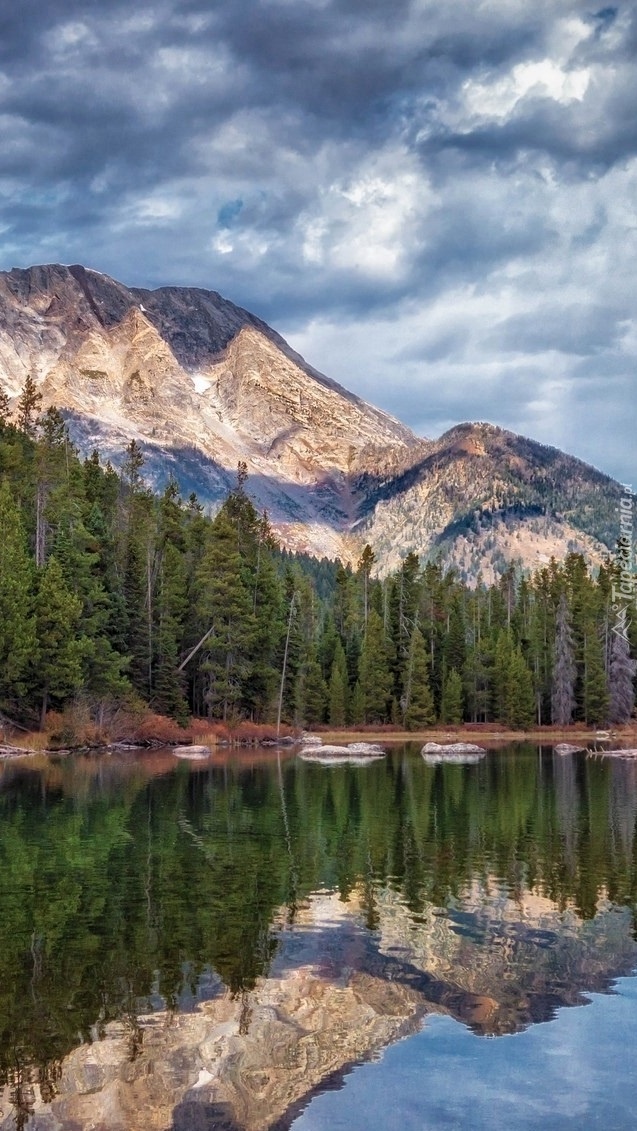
(111, 595)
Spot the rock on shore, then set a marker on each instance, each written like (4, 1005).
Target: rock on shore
(194, 753)
(355, 754)
(460, 753)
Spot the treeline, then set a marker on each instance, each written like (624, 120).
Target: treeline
(111, 593)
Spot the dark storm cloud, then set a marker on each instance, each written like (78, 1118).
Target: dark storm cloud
(581, 138)
(417, 191)
(582, 329)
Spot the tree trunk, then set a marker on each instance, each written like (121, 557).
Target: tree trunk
(45, 700)
(285, 662)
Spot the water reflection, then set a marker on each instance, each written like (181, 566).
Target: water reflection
(188, 946)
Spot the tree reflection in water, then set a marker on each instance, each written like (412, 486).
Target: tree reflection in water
(132, 888)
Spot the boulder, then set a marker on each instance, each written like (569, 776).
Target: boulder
(366, 748)
(196, 753)
(341, 755)
(460, 753)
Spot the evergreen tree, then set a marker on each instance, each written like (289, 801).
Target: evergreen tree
(267, 607)
(621, 681)
(5, 409)
(478, 679)
(78, 555)
(374, 674)
(514, 699)
(564, 670)
(224, 607)
(540, 656)
(455, 646)
(520, 709)
(451, 704)
(135, 595)
(594, 683)
(58, 672)
(357, 705)
(170, 610)
(53, 488)
(311, 692)
(337, 710)
(138, 572)
(28, 407)
(106, 569)
(169, 606)
(364, 570)
(295, 639)
(17, 625)
(502, 665)
(338, 688)
(418, 705)
(131, 475)
(328, 641)
(345, 614)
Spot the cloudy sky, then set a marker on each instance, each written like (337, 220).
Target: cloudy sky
(434, 202)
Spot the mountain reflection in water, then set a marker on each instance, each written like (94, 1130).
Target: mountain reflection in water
(205, 946)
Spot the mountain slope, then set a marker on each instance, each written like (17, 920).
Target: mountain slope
(196, 379)
(483, 497)
(202, 384)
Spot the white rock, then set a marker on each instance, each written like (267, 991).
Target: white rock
(366, 748)
(339, 755)
(567, 748)
(460, 753)
(195, 753)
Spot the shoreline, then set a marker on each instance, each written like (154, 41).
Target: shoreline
(545, 736)
(493, 737)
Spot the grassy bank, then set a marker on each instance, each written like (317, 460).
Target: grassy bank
(73, 730)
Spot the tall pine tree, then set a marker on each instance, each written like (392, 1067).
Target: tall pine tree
(374, 672)
(417, 702)
(17, 625)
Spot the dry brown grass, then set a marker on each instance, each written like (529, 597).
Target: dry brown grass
(204, 733)
(245, 733)
(30, 740)
(158, 728)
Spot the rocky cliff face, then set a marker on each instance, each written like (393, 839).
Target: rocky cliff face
(201, 384)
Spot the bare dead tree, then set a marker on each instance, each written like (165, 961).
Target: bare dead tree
(564, 669)
(621, 686)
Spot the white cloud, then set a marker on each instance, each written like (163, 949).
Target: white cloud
(540, 79)
(436, 202)
(367, 223)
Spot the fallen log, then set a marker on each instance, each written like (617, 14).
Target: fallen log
(7, 751)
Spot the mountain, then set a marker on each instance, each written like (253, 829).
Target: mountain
(483, 498)
(201, 384)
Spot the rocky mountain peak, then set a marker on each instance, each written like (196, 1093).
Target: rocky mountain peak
(201, 383)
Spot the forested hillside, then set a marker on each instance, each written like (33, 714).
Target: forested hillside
(111, 594)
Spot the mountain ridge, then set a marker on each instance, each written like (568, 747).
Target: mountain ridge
(202, 383)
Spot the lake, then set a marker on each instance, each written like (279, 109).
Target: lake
(255, 942)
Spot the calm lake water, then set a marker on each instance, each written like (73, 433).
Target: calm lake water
(263, 943)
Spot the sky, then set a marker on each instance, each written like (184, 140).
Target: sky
(435, 203)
